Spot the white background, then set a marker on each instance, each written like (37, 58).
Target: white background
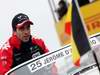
(38, 11)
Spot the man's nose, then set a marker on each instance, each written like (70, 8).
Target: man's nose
(26, 31)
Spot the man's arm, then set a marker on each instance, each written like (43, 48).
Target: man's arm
(5, 58)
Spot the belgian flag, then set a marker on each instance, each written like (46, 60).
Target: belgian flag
(79, 40)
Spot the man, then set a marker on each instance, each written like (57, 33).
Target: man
(21, 46)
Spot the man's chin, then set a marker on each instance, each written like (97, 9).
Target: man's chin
(25, 40)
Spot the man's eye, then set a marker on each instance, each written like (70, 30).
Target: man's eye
(28, 28)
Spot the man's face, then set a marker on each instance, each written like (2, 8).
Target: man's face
(23, 33)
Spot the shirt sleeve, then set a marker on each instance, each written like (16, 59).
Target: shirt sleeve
(5, 58)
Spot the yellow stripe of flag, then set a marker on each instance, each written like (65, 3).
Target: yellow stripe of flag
(79, 40)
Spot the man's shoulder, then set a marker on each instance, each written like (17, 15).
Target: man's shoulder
(10, 43)
(40, 42)
(37, 40)
(6, 46)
